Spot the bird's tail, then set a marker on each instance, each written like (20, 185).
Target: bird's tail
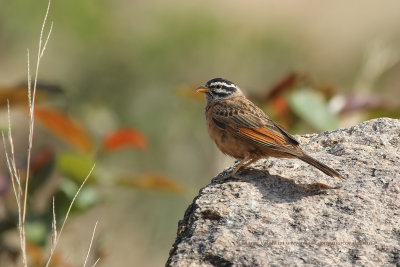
(320, 166)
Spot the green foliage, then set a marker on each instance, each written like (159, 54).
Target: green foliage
(37, 231)
(75, 166)
(68, 188)
(311, 107)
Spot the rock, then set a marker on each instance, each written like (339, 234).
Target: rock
(279, 214)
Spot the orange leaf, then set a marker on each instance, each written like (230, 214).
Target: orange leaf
(37, 258)
(280, 104)
(153, 181)
(18, 94)
(123, 138)
(64, 127)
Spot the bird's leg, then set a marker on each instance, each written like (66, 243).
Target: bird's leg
(250, 162)
(240, 165)
(233, 173)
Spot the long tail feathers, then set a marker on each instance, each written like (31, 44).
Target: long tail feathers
(320, 166)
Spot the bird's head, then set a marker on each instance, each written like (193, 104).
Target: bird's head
(219, 88)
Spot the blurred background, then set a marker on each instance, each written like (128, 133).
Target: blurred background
(116, 88)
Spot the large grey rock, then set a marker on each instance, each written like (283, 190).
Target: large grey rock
(279, 214)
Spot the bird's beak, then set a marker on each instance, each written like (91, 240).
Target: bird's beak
(202, 89)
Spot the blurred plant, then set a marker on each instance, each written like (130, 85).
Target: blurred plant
(365, 100)
(124, 138)
(152, 181)
(19, 185)
(16, 95)
(301, 104)
(72, 165)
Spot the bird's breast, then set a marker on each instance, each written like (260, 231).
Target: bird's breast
(227, 142)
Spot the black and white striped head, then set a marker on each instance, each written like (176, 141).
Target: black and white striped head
(219, 88)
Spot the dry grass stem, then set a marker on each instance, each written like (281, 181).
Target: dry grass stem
(16, 183)
(53, 248)
(20, 190)
(90, 245)
(379, 58)
(94, 264)
(53, 227)
(31, 99)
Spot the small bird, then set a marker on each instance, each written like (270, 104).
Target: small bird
(241, 130)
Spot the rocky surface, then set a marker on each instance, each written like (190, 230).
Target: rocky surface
(280, 215)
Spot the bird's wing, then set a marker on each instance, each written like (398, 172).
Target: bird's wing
(247, 121)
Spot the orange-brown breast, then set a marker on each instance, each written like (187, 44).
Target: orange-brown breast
(227, 142)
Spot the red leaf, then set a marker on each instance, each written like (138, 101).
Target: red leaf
(64, 127)
(124, 138)
(41, 159)
(287, 82)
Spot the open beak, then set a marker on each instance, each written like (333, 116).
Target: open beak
(202, 89)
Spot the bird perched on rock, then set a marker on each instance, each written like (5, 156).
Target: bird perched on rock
(241, 130)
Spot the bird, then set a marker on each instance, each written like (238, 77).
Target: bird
(242, 130)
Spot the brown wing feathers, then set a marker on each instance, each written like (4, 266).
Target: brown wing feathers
(262, 136)
(252, 125)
